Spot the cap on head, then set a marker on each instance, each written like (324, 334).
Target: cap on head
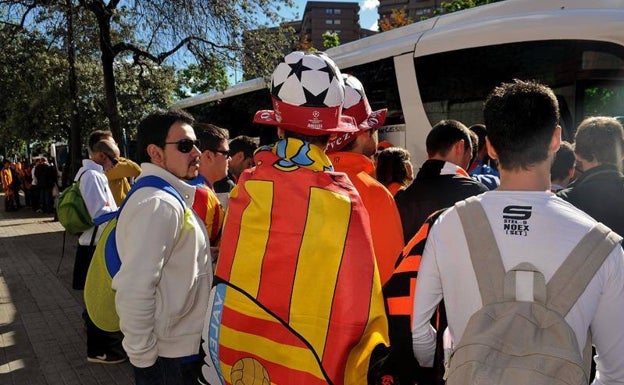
(356, 105)
(308, 93)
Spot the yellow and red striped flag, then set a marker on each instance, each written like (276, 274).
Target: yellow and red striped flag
(297, 296)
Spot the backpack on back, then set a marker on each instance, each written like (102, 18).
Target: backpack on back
(520, 335)
(99, 295)
(71, 209)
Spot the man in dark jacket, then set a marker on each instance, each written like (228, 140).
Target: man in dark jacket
(46, 179)
(442, 179)
(599, 190)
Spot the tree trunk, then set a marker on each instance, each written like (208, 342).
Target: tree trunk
(103, 16)
(75, 145)
(114, 119)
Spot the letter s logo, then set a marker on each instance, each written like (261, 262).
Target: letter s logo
(517, 212)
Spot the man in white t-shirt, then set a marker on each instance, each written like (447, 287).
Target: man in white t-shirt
(530, 224)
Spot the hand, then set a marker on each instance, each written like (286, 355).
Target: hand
(214, 253)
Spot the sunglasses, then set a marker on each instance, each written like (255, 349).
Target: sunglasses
(185, 145)
(113, 160)
(225, 153)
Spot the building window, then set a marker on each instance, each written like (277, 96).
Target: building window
(337, 11)
(329, 11)
(328, 22)
(337, 21)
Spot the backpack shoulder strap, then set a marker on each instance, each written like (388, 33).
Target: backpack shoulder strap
(484, 252)
(573, 276)
(159, 183)
(146, 181)
(80, 176)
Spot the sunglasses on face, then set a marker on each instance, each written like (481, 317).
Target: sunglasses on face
(185, 145)
(225, 153)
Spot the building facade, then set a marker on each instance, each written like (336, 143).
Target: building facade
(319, 17)
(416, 9)
(338, 17)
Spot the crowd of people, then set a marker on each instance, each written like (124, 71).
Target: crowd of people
(324, 258)
(37, 180)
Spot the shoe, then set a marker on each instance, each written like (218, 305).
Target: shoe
(107, 359)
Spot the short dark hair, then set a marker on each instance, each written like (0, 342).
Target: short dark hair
(391, 165)
(96, 136)
(105, 146)
(444, 135)
(154, 128)
(564, 161)
(243, 143)
(521, 118)
(210, 136)
(481, 132)
(600, 138)
(476, 146)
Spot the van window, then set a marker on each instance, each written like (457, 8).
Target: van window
(236, 114)
(583, 74)
(380, 84)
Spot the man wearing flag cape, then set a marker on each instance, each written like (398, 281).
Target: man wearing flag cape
(296, 297)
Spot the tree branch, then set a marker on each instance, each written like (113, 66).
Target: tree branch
(158, 59)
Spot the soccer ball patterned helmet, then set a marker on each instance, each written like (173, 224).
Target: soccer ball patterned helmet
(308, 93)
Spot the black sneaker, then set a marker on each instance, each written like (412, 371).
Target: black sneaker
(111, 358)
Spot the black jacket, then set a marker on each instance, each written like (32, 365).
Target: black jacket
(224, 185)
(430, 192)
(600, 193)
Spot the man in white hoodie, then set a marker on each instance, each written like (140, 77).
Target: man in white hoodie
(102, 347)
(528, 224)
(165, 276)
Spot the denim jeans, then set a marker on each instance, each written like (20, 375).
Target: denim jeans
(168, 371)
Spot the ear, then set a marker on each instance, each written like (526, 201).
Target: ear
(490, 149)
(555, 141)
(239, 157)
(571, 172)
(280, 132)
(362, 137)
(208, 155)
(156, 154)
(460, 148)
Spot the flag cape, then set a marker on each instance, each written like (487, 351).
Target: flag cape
(399, 295)
(207, 206)
(297, 298)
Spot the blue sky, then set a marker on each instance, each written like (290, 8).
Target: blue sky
(368, 11)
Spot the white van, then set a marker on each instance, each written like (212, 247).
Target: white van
(444, 67)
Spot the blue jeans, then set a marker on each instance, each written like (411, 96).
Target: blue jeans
(168, 371)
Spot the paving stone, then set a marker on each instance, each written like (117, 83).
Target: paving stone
(42, 339)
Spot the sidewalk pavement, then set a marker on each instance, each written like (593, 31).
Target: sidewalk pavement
(42, 339)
